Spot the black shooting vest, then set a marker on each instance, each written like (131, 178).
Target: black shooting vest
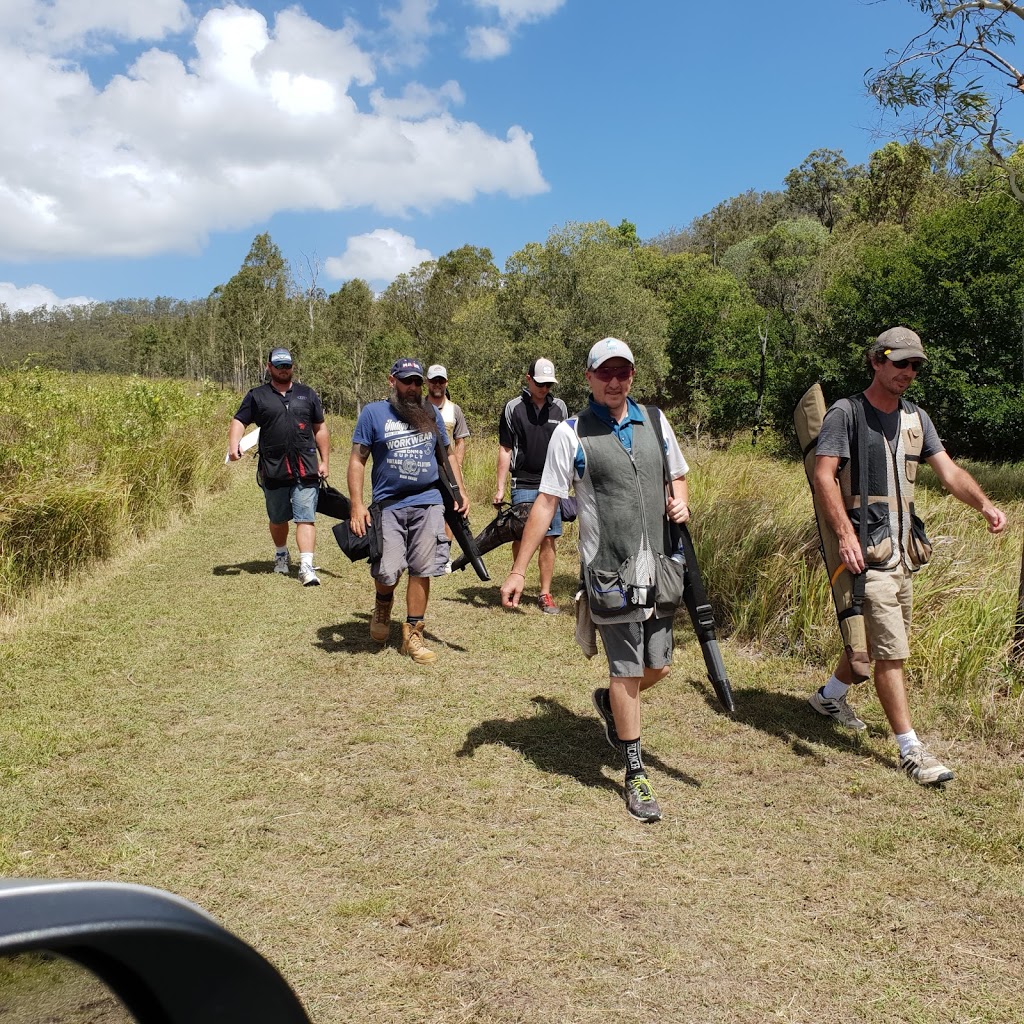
(287, 447)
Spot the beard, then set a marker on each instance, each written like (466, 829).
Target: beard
(415, 410)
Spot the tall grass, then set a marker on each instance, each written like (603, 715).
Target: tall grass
(87, 462)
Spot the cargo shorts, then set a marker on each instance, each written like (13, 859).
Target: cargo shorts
(413, 539)
(888, 603)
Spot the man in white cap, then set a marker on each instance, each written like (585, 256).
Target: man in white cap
(616, 459)
(898, 435)
(524, 431)
(294, 455)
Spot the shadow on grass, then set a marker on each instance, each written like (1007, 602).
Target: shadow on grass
(484, 595)
(560, 742)
(262, 568)
(354, 637)
(793, 721)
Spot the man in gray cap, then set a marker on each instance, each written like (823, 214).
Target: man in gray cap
(292, 434)
(454, 422)
(897, 436)
(524, 430)
(616, 458)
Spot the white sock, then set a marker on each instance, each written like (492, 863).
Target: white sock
(906, 740)
(306, 558)
(834, 689)
(281, 551)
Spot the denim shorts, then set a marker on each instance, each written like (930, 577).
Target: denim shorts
(297, 502)
(520, 494)
(414, 539)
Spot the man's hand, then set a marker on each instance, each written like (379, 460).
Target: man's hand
(995, 517)
(499, 497)
(359, 518)
(323, 471)
(512, 589)
(677, 510)
(851, 554)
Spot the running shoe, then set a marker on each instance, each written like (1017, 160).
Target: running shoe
(282, 563)
(837, 709)
(308, 576)
(640, 801)
(923, 767)
(547, 605)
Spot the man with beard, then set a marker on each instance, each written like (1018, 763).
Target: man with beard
(292, 433)
(401, 433)
(892, 436)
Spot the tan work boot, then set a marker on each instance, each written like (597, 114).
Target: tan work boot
(380, 621)
(413, 645)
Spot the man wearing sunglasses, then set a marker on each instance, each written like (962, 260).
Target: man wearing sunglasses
(293, 434)
(899, 435)
(614, 459)
(524, 432)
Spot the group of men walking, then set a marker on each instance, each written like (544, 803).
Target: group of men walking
(625, 468)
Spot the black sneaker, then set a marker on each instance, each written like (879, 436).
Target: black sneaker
(640, 801)
(603, 706)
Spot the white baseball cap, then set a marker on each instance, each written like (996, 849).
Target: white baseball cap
(437, 370)
(543, 371)
(608, 348)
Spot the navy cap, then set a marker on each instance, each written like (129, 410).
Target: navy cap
(405, 368)
(280, 357)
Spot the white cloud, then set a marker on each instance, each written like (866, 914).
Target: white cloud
(483, 43)
(33, 296)
(380, 255)
(487, 42)
(58, 25)
(411, 27)
(261, 120)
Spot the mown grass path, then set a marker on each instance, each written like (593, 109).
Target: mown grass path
(449, 844)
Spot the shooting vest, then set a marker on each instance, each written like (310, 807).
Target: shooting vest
(629, 494)
(287, 447)
(895, 534)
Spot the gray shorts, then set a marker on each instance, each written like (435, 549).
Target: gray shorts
(297, 502)
(633, 646)
(414, 539)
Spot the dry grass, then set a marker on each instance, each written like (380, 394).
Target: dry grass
(450, 845)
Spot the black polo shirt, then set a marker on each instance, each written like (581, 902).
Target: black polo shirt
(527, 430)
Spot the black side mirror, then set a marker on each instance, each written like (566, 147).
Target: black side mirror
(165, 959)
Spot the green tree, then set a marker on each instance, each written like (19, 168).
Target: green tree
(954, 77)
(821, 185)
(252, 307)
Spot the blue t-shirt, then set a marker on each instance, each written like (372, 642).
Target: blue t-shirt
(404, 463)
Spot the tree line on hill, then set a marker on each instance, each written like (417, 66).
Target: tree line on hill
(730, 318)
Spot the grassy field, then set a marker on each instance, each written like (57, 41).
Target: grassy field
(449, 844)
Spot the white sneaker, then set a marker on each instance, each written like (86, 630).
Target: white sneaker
(923, 767)
(308, 576)
(282, 564)
(836, 709)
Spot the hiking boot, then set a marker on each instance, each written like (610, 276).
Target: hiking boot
(603, 706)
(413, 645)
(837, 709)
(640, 801)
(380, 621)
(546, 603)
(282, 563)
(924, 768)
(308, 576)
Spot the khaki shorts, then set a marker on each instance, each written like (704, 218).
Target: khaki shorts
(888, 601)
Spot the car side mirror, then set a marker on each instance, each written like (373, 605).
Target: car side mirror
(164, 959)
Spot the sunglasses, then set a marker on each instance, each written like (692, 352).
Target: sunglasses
(902, 364)
(543, 383)
(282, 366)
(608, 373)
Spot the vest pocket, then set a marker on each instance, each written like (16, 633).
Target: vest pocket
(911, 468)
(606, 591)
(274, 467)
(669, 584)
(879, 542)
(919, 546)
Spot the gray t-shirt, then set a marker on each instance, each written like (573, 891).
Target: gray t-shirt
(837, 431)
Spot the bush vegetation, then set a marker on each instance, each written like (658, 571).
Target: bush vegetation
(88, 462)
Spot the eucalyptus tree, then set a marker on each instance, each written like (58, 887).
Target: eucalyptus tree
(582, 284)
(954, 79)
(252, 306)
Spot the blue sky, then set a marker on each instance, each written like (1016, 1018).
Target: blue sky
(146, 142)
